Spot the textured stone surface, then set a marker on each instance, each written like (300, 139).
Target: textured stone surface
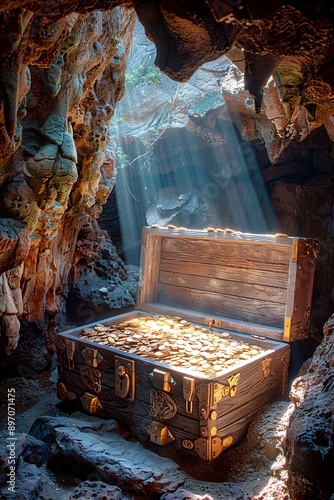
(309, 446)
(97, 490)
(94, 451)
(62, 75)
(14, 248)
(246, 470)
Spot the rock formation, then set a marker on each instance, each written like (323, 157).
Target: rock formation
(61, 79)
(309, 446)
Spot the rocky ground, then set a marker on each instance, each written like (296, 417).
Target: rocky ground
(70, 456)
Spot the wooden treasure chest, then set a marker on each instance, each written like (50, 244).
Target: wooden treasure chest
(207, 346)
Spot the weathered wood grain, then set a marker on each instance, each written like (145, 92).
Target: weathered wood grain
(299, 294)
(251, 274)
(224, 287)
(150, 258)
(253, 310)
(231, 252)
(227, 323)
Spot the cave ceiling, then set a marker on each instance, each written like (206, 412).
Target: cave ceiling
(291, 42)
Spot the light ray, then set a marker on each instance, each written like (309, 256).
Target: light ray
(189, 157)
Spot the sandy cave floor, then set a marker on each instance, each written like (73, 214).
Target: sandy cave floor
(256, 465)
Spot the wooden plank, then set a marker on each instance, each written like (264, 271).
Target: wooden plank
(150, 265)
(247, 280)
(253, 389)
(231, 252)
(220, 234)
(252, 273)
(228, 323)
(224, 287)
(253, 310)
(242, 412)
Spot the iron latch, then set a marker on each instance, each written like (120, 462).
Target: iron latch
(208, 448)
(211, 322)
(189, 393)
(159, 433)
(209, 395)
(162, 380)
(91, 403)
(70, 351)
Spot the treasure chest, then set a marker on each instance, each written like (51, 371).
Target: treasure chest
(208, 345)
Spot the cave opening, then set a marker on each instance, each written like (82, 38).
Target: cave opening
(179, 159)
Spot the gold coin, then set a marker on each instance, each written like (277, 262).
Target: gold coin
(89, 331)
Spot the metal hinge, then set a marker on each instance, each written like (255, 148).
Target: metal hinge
(209, 395)
(162, 380)
(261, 337)
(159, 433)
(92, 357)
(125, 378)
(208, 448)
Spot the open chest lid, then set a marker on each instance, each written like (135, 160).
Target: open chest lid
(248, 283)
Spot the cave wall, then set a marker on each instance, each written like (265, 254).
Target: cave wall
(60, 82)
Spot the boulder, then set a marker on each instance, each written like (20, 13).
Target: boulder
(309, 446)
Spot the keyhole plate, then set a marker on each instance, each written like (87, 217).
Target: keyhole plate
(125, 378)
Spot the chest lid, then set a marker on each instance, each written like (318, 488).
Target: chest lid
(246, 282)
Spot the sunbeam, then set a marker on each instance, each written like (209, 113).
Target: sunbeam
(180, 158)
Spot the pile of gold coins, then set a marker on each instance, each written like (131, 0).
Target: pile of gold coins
(175, 341)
